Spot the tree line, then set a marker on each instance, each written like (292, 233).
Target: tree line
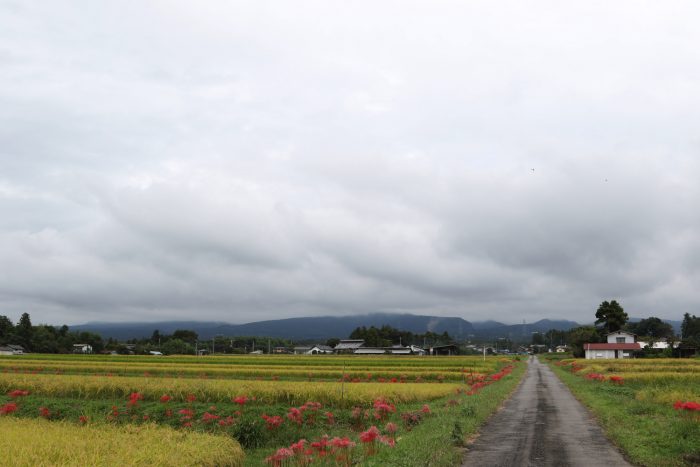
(44, 338)
(611, 317)
(386, 336)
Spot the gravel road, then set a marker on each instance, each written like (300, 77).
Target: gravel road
(542, 425)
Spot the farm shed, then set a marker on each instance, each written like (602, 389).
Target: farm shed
(450, 349)
(349, 345)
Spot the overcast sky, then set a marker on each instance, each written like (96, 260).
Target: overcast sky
(247, 160)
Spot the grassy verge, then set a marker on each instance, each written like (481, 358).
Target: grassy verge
(649, 433)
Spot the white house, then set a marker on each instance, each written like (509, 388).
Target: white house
(620, 344)
(82, 348)
(660, 344)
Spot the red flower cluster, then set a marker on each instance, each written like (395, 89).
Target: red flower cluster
(17, 393)
(272, 422)
(208, 417)
(595, 377)
(369, 438)
(240, 400)
(337, 450)
(296, 414)
(8, 408)
(691, 406)
(134, 399)
(165, 398)
(617, 380)
(44, 412)
(382, 409)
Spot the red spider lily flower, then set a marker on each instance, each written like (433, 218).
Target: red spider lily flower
(146, 418)
(134, 399)
(165, 398)
(299, 446)
(617, 380)
(17, 393)
(186, 414)
(240, 400)
(382, 409)
(389, 441)
(279, 457)
(295, 415)
(8, 408)
(342, 443)
(425, 408)
(330, 418)
(370, 435)
(391, 428)
(83, 419)
(44, 412)
(208, 417)
(190, 398)
(272, 422)
(227, 421)
(690, 406)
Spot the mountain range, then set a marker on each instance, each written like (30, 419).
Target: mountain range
(323, 327)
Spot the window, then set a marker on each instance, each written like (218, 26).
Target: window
(620, 340)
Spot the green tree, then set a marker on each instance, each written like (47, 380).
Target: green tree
(652, 327)
(25, 330)
(612, 316)
(177, 346)
(582, 335)
(186, 335)
(6, 327)
(690, 327)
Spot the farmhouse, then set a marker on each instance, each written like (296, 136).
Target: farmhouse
(620, 344)
(12, 349)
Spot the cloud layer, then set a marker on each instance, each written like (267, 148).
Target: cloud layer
(257, 160)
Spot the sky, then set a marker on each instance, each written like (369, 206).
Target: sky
(238, 161)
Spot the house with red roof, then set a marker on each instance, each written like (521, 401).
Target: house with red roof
(620, 344)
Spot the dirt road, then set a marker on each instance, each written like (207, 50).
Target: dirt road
(542, 425)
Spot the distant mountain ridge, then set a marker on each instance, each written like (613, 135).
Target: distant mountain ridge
(305, 328)
(324, 327)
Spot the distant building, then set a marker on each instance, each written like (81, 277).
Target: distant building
(82, 348)
(349, 345)
(450, 349)
(621, 344)
(314, 350)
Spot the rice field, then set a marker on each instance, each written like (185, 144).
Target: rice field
(358, 409)
(66, 444)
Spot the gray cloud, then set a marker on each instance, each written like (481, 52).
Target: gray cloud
(252, 160)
